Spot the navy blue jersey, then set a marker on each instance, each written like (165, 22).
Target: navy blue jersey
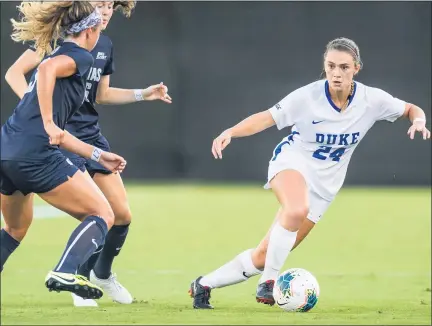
(84, 123)
(23, 136)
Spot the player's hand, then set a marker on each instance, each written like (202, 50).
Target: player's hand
(55, 134)
(112, 162)
(220, 143)
(157, 92)
(419, 126)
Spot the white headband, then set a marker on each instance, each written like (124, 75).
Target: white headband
(92, 20)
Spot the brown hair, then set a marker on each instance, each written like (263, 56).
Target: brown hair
(43, 22)
(346, 45)
(126, 7)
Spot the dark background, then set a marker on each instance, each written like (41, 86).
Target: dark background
(223, 61)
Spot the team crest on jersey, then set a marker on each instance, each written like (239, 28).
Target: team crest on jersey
(101, 55)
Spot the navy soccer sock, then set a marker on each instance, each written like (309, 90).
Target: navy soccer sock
(83, 242)
(113, 244)
(7, 245)
(85, 268)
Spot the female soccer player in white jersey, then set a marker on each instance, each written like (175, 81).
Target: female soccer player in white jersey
(329, 117)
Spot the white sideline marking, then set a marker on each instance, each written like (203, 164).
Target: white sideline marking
(46, 211)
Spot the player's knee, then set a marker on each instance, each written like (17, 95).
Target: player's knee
(108, 216)
(123, 216)
(105, 212)
(292, 217)
(16, 233)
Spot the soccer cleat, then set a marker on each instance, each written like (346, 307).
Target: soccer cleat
(264, 293)
(113, 288)
(78, 284)
(81, 302)
(200, 295)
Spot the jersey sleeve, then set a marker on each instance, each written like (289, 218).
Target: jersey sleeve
(387, 108)
(109, 67)
(83, 60)
(286, 112)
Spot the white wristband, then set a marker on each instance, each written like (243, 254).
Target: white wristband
(138, 95)
(96, 155)
(419, 120)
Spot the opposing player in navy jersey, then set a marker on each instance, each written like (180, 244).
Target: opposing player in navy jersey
(329, 117)
(85, 126)
(31, 161)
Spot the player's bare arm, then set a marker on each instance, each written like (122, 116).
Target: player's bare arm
(110, 95)
(251, 125)
(15, 75)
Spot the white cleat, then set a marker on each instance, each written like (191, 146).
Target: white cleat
(81, 302)
(113, 288)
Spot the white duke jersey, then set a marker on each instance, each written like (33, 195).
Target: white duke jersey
(323, 137)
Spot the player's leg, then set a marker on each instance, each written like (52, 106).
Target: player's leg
(77, 300)
(232, 272)
(291, 191)
(260, 252)
(17, 211)
(113, 188)
(235, 271)
(244, 266)
(80, 197)
(317, 207)
(80, 163)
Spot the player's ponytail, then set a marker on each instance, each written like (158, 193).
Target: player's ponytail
(126, 7)
(44, 22)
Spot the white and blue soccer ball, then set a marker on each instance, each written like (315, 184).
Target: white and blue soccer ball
(296, 290)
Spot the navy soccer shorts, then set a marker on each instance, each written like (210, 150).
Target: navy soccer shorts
(35, 176)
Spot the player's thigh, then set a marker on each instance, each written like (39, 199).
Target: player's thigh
(80, 197)
(290, 188)
(17, 211)
(113, 188)
(291, 191)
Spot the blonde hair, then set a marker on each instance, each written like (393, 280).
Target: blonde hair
(126, 7)
(44, 22)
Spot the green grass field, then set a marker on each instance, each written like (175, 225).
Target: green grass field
(371, 254)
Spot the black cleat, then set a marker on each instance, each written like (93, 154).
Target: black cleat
(200, 295)
(264, 293)
(59, 282)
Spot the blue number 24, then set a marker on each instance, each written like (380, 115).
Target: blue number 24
(335, 155)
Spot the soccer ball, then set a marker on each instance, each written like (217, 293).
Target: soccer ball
(296, 290)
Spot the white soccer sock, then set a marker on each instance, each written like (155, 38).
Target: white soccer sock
(280, 244)
(235, 271)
